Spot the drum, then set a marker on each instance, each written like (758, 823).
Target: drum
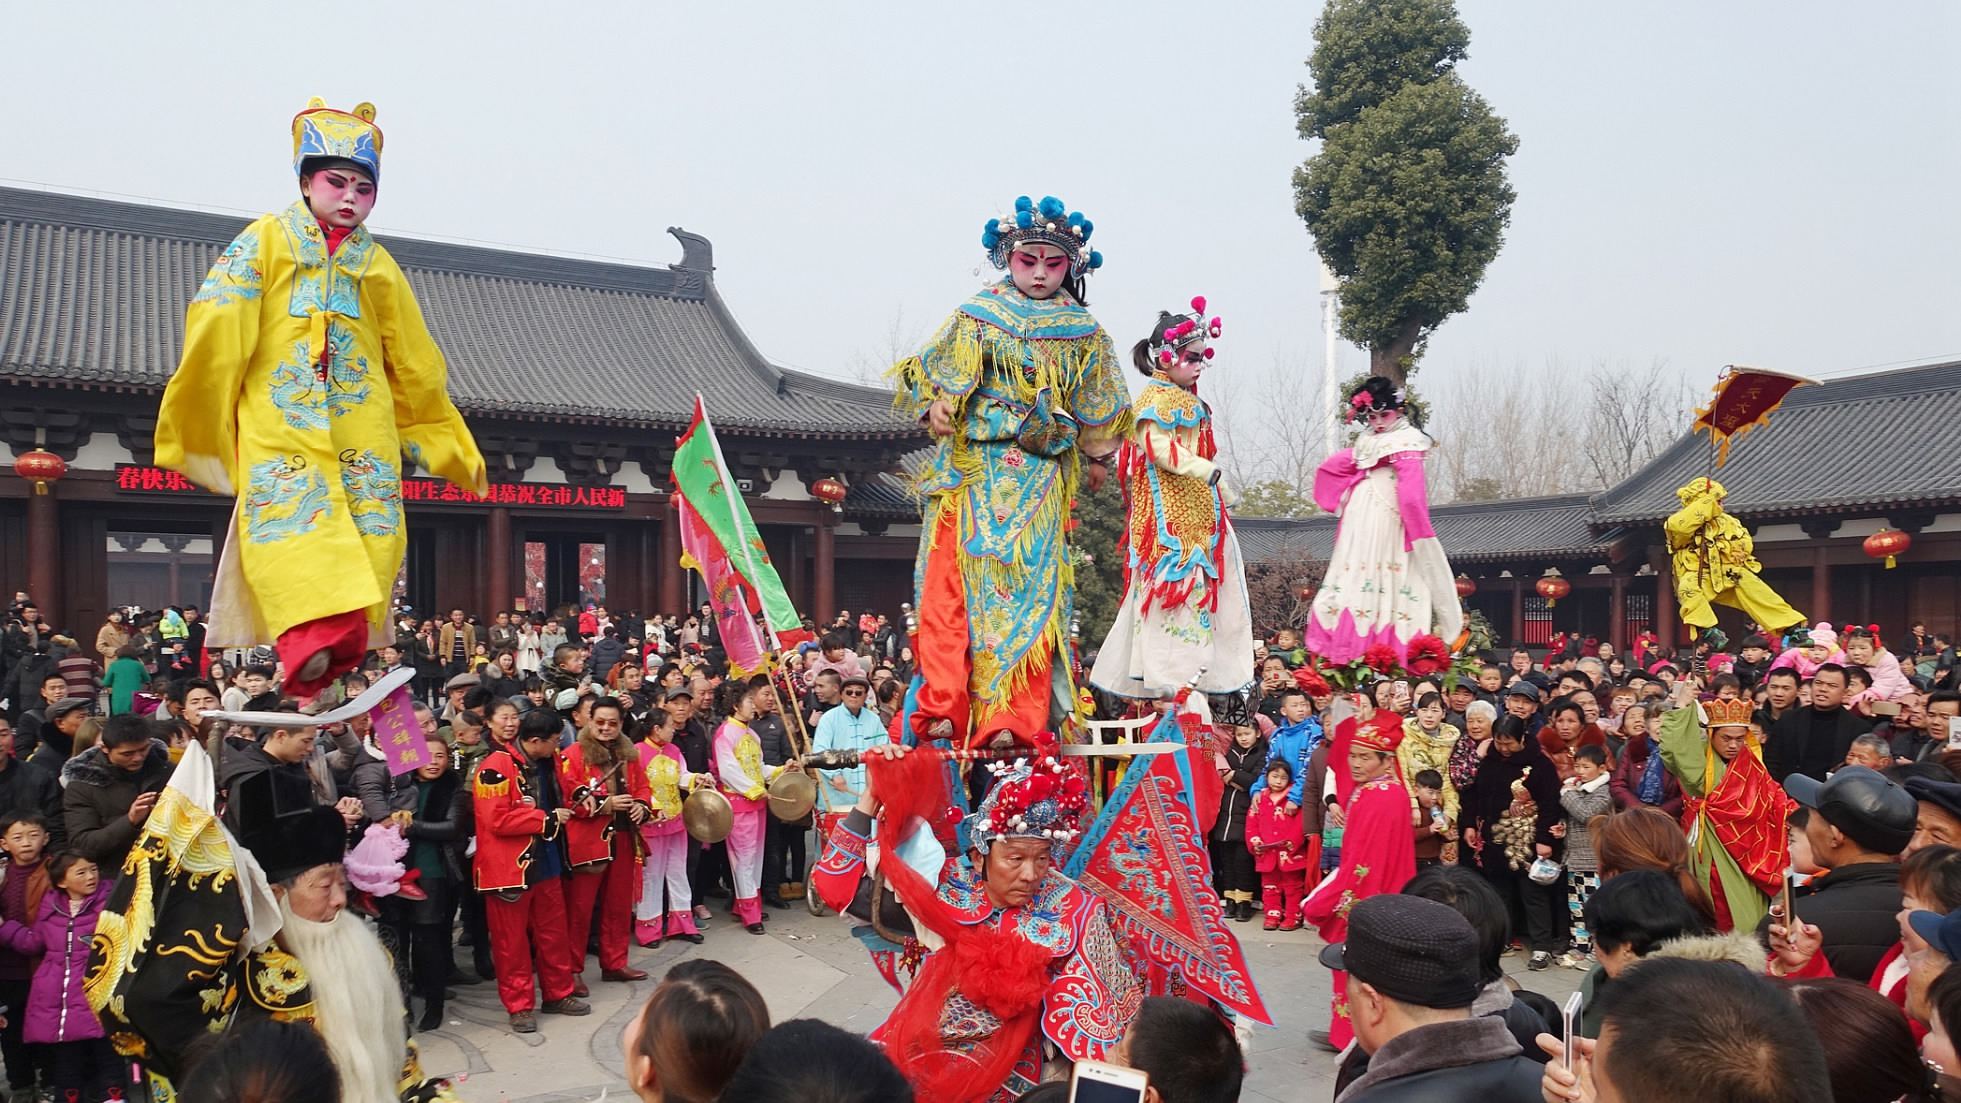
(707, 816)
(792, 795)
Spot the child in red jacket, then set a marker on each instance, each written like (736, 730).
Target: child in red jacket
(1280, 851)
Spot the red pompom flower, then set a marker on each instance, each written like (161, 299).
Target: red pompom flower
(1427, 655)
(1380, 657)
(1311, 682)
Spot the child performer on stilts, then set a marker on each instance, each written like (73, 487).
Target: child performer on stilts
(1019, 386)
(1184, 607)
(307, 375)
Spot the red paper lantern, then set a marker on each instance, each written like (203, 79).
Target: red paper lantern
(1552, 587)
(40, 468)
(1887, 544)
(1465, 587)
(829, 491)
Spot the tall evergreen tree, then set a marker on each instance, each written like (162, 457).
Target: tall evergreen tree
(1406, 197)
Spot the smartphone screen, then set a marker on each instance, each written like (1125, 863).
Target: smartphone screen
(1097, 1091)
(1096, 1082)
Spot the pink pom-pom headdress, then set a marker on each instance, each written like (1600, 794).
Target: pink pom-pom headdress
(1175, 331)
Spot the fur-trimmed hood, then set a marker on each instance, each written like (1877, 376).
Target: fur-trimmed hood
(1739, 947)
(91, 767)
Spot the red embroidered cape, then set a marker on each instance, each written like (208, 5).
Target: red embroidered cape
(1747, 813)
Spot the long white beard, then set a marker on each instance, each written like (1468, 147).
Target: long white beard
(357, 1002)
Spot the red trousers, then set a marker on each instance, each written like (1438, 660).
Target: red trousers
(614, 887)
(532, 927)
(1282, 892)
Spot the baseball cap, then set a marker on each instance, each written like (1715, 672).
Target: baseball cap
(1523, 688)
(1942, 932)
(1870, 808)
(1410, 949)
(679, 692)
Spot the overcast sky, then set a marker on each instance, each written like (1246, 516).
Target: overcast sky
(1764, 182)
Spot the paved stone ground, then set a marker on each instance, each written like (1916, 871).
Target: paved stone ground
(811, 968)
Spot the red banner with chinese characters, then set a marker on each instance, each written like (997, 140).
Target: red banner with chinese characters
(137, 477)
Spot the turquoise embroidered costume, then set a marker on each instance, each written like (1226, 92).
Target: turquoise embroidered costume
(1028, 380)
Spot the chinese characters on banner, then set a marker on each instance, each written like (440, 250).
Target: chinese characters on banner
(397, 734)
(131, 476)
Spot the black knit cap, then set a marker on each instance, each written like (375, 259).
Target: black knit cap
(1410, 949)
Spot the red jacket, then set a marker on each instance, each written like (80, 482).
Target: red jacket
(588, 834)
(510, 824)
(1283, 842)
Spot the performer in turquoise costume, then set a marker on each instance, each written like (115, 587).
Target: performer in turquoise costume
(1020, 386)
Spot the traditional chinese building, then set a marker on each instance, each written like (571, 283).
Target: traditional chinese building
(1836, 464)
(575, 375)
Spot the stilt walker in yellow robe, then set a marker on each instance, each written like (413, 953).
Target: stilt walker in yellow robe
(1715, 561)
(308, 377)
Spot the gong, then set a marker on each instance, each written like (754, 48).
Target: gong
(707, 816)
(792, 795)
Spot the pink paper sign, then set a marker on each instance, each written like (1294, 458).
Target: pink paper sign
(397, 734)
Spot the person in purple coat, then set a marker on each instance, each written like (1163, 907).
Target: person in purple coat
(78, 1060)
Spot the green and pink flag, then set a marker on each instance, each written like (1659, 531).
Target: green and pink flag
(720, 540)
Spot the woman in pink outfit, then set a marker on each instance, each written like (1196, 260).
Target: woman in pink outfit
(668, 781)
(1388, 580)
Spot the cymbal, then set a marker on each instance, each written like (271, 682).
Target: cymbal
(707, 816)
(792, 795)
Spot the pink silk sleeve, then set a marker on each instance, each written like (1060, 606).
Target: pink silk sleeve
(1336, 476)
(1412, 498)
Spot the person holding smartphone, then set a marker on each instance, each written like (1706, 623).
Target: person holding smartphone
(1408, 970)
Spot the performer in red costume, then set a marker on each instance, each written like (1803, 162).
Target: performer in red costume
(1378, 852)
(608, 792)
(1027, 972)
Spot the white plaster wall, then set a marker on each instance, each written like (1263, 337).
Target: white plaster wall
(788, 487)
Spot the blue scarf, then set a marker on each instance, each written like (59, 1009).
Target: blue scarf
(1649, 791)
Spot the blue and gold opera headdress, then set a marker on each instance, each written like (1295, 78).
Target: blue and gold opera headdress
(1049, 222)
(325, 132)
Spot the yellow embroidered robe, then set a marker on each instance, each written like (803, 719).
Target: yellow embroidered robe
(305, 380)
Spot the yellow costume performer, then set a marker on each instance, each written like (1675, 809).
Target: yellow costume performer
(307, 376)
(1715, 562)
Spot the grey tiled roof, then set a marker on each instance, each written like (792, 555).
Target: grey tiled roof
(884, 495)
(94, 291)
(1875, 441)
(1471, 532)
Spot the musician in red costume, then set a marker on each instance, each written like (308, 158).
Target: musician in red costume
(1027, 978)
(608, 792)
(1378, 851)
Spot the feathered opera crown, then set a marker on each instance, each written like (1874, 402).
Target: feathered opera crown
(1374, 395)
(1175, 331)
(322, 131)
(1049, 222)
(1729, 714)
(1033, 798)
